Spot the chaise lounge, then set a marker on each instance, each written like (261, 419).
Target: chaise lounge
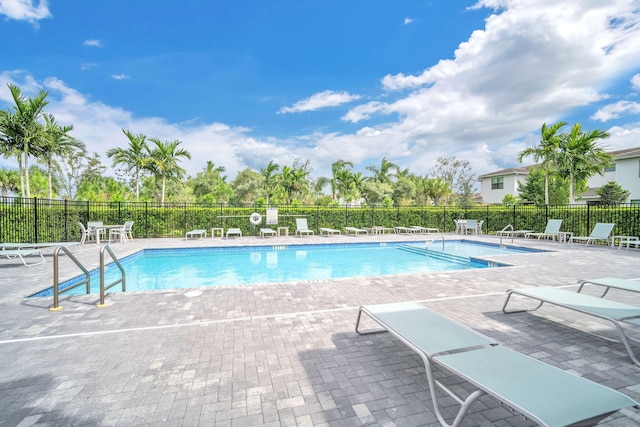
(550, 232)
(264, 232)
(195, 233)
(545, 394)
(632, 285)
(601, 231)
(234, 232)
(355, 231)
(302, 228)
(615, 312)
(21, 253)
(329, 232)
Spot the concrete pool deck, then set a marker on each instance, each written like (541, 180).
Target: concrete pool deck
(285, 354)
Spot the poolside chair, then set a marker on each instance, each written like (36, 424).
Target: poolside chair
(543, 393)
(551, 230)
(21, 253)
(473, 226)
(355, 231)
(234, 232)
(425, 230)
(19, 246)
(632, 285)
(302, 228)
(128, 226)
(87, 233)
(602, 231)
(329, 231)
(264, 232)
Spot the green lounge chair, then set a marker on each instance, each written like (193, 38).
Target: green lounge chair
(550, 232)
(601, 231)
(632, 285)
(541, 392)
(615, 312)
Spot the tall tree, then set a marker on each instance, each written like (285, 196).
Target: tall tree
(210, 186)
(56, 142)
(581, 156)
(134, 159)
(165, 158)
(459, 176)
(546, 152)
(21, 132)
(270, 176)
(340, 177)
(8, 181)
(385, 172)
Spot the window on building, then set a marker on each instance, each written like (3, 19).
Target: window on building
(497, 183)
(611, 168)
(635, 202)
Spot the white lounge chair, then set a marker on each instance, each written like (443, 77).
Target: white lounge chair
(550, 232)
(234, 232)
(264, 232)
(601, 231)
(21, 253)
(425, 230)
(329, 232)
(67, 245)
(543, 393)
(354, 231)
(406, 230)
(302, 228)
(195, 233)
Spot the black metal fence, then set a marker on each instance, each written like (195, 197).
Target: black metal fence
(42, 220)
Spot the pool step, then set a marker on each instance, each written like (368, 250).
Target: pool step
(435, 254)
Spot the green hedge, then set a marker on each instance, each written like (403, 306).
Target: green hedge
(40, 220)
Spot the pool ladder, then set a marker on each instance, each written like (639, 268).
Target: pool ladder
(87, 279)
(508, 227)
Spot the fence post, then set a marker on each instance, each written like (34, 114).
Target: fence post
(35, 219)
(146, 219)
(66, 220)
(588, 217)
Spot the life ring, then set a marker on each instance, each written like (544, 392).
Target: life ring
(255, 218)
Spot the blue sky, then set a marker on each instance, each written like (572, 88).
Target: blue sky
(243, 82)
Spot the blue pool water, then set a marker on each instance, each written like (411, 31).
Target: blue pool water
(161, 269)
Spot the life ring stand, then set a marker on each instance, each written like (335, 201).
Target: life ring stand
(255, 218)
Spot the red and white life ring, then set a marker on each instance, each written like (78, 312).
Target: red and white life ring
(255, 218)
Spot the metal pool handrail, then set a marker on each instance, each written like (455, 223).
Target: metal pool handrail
(56, 291)
(122, 278)
(432, 241)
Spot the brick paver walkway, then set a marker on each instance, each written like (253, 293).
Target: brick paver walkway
(284, 354)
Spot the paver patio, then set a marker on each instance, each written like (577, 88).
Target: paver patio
(284, 354)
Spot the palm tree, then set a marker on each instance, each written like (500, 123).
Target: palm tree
(134, 158)
(165, 157)
(580, 157)
(386, 171)
(294, 181)
(21, 133)
(270, 177)
(8, 181)
(338, 170)
(546, 151)
(56, 142)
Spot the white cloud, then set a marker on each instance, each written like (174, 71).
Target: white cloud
(407, 21)
(320, 100)
(92, 43)
(635, 81)
(25, 10)
(120, 76)
(613, 111)
(365, 111)
(87, 66)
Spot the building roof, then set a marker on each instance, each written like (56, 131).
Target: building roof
(627, 153)
(509, 171)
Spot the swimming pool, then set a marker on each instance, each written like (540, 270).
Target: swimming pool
(162, 269)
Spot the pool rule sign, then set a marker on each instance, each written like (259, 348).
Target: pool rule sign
(272, 216)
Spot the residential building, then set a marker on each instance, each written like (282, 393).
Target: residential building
(625, 171)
